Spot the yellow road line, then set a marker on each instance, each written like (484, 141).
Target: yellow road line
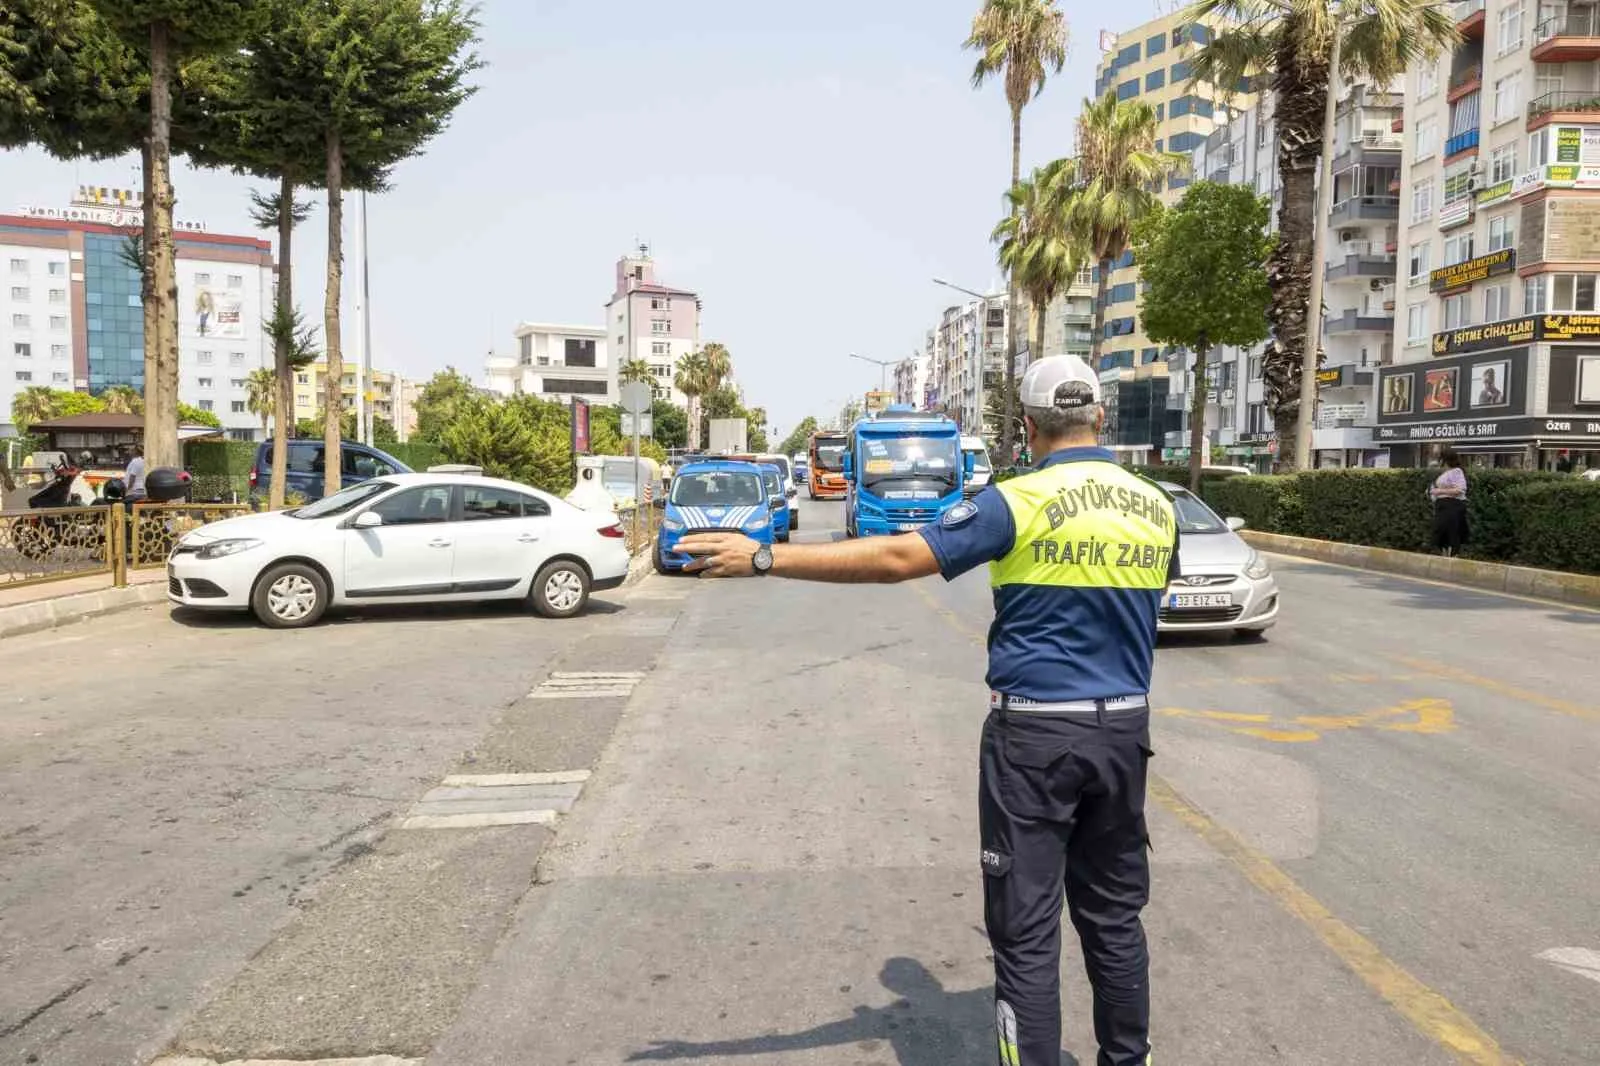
(1432, 1015)
(1500, 688)
(1429, 1012)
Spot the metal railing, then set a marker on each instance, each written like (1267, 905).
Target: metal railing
(154, 528)
(56, 544)
(1577, 22)
(1466, 76)
(1567, 100)
(1465, 9)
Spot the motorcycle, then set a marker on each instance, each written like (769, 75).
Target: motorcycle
(36, 536)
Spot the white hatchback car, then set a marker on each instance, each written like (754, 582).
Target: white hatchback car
(1226, 584)
(405, 538)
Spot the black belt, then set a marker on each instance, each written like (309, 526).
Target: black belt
(999, 701)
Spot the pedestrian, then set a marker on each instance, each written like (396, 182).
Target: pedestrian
(1080, 552)
(134, 474)
(1564, 462)
(1449, 495)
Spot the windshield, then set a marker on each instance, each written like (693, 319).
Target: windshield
(343, 500)
(1196, 517)
(779, 461)
(885, 459)
(830, 455)
(716, 488)
(774, 483)
(980, 460)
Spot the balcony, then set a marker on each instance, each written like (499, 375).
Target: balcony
(1469, 18)
(1365, 209)
(1464, 83)
(1551, 106)
(1570, 38)
(1361, 259)
(1460, 144)
(1354, 320)
(1372, 147)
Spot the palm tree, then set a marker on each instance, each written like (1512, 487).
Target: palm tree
(1038, 246)
(634, 370)
(261, 395)
(719, 366)
(1292, 43)
(123, 400)
(690, 380)
(1022, 42)
(1118, 170)
(36, 403)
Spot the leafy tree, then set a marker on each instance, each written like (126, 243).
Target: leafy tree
(1117, 168)
(799, 438)
(1291, 44)
(440, 400)
(670, 424)
(1039, 248)
(635, 370)
(192, 416)
(524, 438)
(36, 403)
(1204, 265)
(123, 400)
(1022, 42)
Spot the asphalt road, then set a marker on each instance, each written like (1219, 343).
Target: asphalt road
(1374, 834)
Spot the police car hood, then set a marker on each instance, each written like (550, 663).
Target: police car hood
(1211, 553)
(733, 517)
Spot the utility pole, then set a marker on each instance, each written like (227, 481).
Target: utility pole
(363, 401)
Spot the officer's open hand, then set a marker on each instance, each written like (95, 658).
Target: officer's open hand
(719, 554)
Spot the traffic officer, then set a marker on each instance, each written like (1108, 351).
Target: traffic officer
(1080, 551)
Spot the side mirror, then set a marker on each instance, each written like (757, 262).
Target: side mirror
(367, 520)
(660, 502)
(775, 503)
(849, 467)
(969, 463)
(1236, 524)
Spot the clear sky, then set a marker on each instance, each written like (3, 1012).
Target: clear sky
(807, 168)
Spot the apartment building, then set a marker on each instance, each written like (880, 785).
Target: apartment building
(911, 379)
(556, 362)
(968, 359)
(393, 398)
(652, 321)
(1498, 341)
(1151, 62)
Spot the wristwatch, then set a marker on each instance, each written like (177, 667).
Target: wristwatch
(761, 561)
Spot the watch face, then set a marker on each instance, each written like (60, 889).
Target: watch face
(762, 560)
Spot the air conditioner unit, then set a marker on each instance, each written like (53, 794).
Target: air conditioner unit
(1349, 235)
(1375, 284)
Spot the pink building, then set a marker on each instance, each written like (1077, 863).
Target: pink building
(651, 321)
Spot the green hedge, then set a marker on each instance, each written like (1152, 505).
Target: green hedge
(418, 455)
(1267, 502)
(219, 457)
(1559, 524)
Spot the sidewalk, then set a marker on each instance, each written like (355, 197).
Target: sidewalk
(31, 608)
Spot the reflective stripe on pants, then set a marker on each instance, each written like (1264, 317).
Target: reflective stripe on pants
(1061, 809)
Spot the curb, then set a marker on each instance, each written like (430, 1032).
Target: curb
(24, 618)
(639, 567)
(1581, 590)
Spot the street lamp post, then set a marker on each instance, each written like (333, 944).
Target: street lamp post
(883, 368)
(1008, 413)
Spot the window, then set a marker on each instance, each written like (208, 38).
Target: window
(1538, 150)
(1510, 35)
(236, 359)
(1502, 233)
(235, 281)
(236, 383)
(660, 325)
(58, 269)
(19, 266)
(501, 503)
(1458, 184)
(1154, 80)
(24, 375)
(1508, 98)
(58, 351)
(21, 292)
(301, 379)
(20, 322)
(1186, 142)
(1427, 139)
(1457, 310)
(1572, 292)
(1161, 112)
(58, 322)
(348, 381)
(1192, 105)
(1533, 296)
(1181, 71)
(204, 358)
(60, 377)
(208, 405)
(1422, 200)
(1128, 89)
(579, 386)
(1416, 323)
(1496, 303)
(1503, 164)
(22, 350)
(663, 348)
(1427, 80)
(58, 296)
(237, 407)
(1420, 255)
(204, 383)
(1155, 45)
(419, 506)
(660, 303)
(302, 398)
(1261, 135)
(1227, 416)
(1457, 249)
(1254, 364)
(579, 352)
(202, 279)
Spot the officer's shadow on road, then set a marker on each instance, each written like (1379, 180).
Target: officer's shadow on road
(928, 1025)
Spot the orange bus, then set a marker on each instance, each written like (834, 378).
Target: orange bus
(825, 471)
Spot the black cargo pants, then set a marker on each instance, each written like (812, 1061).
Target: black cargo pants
(1061, 809)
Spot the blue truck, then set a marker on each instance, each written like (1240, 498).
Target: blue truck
(904, 469)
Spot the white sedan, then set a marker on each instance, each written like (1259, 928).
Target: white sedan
(405, 538)
(1225, 583)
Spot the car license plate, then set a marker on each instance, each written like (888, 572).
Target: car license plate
(908, 527)
(1180, 600)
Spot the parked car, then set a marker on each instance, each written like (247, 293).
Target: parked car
(982, 470)
(401, 538)
(357, 463)
(1225, 583)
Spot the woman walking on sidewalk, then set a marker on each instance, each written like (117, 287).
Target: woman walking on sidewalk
(1449, 495)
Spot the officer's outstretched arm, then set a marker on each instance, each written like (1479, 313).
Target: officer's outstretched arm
(873, 559)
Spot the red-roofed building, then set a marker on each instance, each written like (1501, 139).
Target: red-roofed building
(651, 321)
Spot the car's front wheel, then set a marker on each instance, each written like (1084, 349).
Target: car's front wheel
(561, 589)
(290, 596)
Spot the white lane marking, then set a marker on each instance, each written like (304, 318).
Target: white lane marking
(1585, 962)
(559, 777)
(478, 821)
(615, 675)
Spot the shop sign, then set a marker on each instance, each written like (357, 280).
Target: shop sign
(1326, 378)
(1456, 213)
(1572, 232)
(1512, 332)
(1496, 192)
(1488, 429)
(1569, 144)
(1525, 183)
(1463, 275)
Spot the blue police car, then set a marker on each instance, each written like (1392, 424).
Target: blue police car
(712, 497)
(783, 515)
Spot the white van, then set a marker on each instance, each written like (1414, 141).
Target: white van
(982, 471)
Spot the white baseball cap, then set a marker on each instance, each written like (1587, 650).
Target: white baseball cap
(1061, 381)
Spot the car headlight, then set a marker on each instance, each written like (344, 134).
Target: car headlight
(219, 549)
(1256, 568)
(671, 525)
(757, 523)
